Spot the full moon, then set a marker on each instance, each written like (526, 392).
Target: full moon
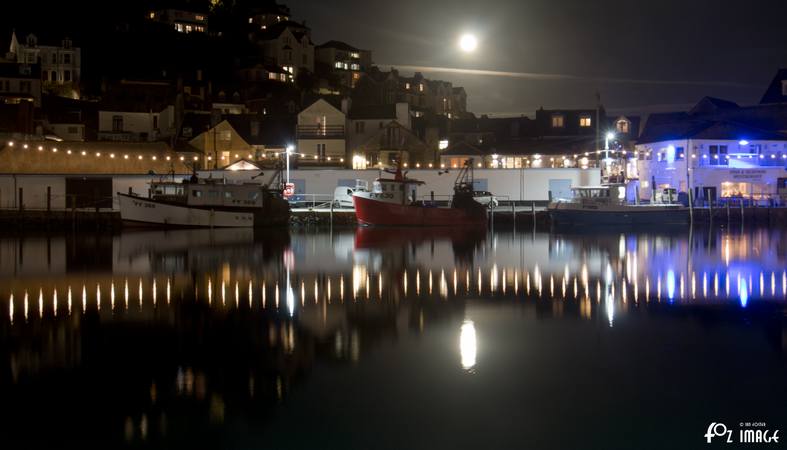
(468, 43)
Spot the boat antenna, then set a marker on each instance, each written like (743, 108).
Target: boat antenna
(464, 180)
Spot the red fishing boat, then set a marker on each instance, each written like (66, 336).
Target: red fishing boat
(394, 202)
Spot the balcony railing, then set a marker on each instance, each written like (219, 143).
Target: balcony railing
(320, 132)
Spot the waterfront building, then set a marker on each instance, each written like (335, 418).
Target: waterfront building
(715, 159)
(320, 133)
(60, 65)
(554, 138)
(364, 122)
(61, 175)
(239, 137)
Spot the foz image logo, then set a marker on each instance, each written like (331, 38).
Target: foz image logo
(718, 430)
(748, 433)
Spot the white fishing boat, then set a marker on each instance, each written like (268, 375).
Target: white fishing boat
(607, 205)
(205, 203)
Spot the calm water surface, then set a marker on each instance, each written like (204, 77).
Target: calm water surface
(390, 338)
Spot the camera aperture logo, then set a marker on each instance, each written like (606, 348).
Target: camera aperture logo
(747, 433)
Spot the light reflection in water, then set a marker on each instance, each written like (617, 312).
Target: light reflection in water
(743, 292)
(468, 345)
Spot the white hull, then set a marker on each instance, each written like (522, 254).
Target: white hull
(145, 211)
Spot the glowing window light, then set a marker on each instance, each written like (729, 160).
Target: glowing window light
(139, 157)
(112, 155)
(182, 158)
(10, 143)
(84, 153)
(125, 156)
(168, 158)
(98, 153)
(68, 152)
(153, 158)
(40, 148)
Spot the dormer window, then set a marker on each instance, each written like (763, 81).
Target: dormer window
(622, 126)
(558, 121)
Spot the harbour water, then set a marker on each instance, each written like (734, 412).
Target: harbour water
(391, 338)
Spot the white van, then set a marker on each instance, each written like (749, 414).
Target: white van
(343, 195)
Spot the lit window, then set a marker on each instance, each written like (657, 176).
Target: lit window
(585, 121)
(558, 121)
(622, 126)
(355, 55)
(407, 86)
(251, 19)
(152, 15)
(421, 87)
(338, 64)
(355, 67)
(784, 87)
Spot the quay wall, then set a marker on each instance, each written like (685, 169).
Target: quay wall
(509, 184)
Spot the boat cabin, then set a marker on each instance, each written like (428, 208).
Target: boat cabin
(402, 191)
(608, 194)
(208, 192)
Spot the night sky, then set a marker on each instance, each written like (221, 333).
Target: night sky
(678, 50)
(640, 56)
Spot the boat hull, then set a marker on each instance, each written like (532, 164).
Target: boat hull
(375, 212)
(138, 211)
(563, 215)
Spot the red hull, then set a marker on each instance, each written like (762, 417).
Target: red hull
(373, 212)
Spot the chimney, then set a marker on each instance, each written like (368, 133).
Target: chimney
(346, 105)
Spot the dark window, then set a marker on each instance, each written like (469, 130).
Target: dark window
(66, 75)
(67, 58)
(679, 153)
(196, 193)
(117, 124)
(155, 122)
(717, 155)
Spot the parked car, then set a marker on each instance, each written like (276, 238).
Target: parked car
(485, 198)
(343, 195)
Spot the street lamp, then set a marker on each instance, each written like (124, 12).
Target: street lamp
(290, 148)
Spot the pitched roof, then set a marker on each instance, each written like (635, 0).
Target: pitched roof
(775, 93)
(339, 45)
(710, 105)
(275, 30)
(704, 129)
(462, 148)
(261, 130)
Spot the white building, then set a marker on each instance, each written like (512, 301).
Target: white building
(320, 133)
(136, 126)
(60, 65)
(714, 160)
(364, 122)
